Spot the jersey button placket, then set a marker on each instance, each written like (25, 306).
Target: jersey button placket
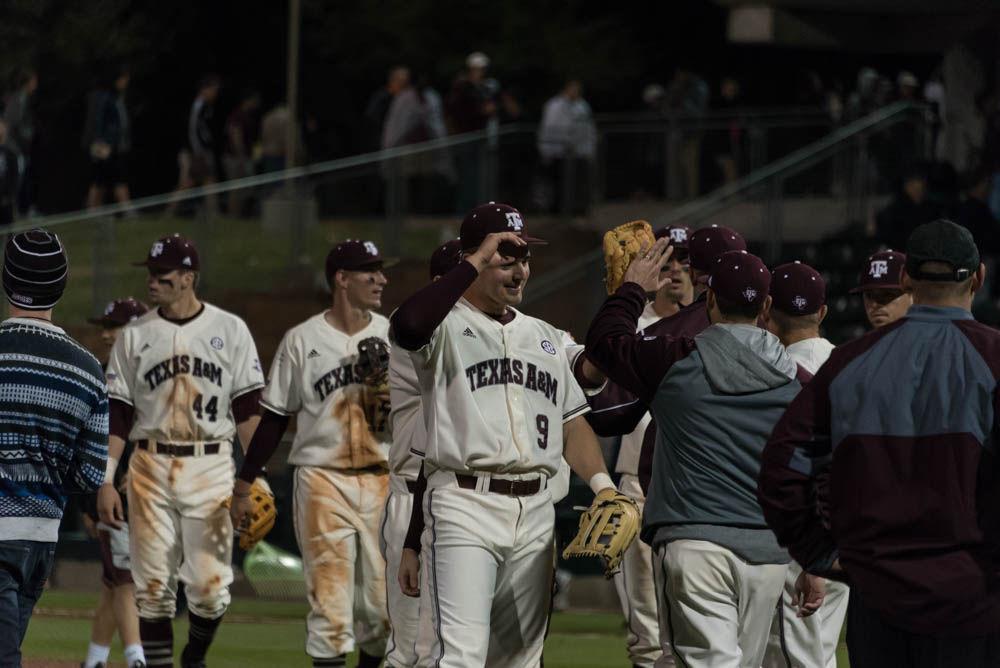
(515, 406)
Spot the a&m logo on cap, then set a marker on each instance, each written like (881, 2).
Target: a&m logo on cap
(370, 248)
(514, 221)
(109, 308)
(879, 268)
(156, 250)
(800, 302)
(678, 235)
(750, 294)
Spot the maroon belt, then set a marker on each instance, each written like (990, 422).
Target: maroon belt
(178, 450)
(500, 486)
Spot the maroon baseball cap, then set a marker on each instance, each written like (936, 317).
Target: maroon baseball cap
(740, 278)
(489, 218)
(708, 243)
(881, 271)
(171, 252)
(355, 255)
(797, 289)
(679, 235)
(120, 312)
(445, 258)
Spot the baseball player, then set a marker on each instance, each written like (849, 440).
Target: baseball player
(634, 582)
(116, 607)
(183, 380)
(405, 458)
(341, 477)
(798, 306)
(500, 408)
(715, 398)
(881, 289)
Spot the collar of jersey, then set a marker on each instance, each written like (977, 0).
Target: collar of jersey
(467, 304)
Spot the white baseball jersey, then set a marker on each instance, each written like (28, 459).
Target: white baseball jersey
(631, 444)
(810, 354)
(494, 397)
(315, 377)
(406, 422)
(181, 377)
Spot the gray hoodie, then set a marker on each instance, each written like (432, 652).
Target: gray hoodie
(714, 411)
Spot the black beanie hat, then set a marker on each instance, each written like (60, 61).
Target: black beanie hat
(34, 270)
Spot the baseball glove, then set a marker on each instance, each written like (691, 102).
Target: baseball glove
(621, 245)
(607, 529)
(373, 366)
(261, 517)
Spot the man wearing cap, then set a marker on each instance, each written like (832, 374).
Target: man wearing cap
(902, 419)
(116, 608)
(714, 398)
(53, 434)
(798, 306)
(501, 410)
(183, 380)
(880, 285)
(341, 474)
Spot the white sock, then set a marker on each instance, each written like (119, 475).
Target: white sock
(133, 654)
(96, 654)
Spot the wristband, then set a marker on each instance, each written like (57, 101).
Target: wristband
(109, 470)
(601, 481)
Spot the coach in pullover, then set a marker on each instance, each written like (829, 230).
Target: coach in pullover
(54, 429)
(905, 421)
(715, 399)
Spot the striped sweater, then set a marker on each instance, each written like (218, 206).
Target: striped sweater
(53, 426)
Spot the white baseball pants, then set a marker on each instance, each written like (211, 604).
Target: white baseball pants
(179, 528)
(715, 607)
(489, 563)
(809, 642)
(637, 594)
(404, 611)
(336, 525)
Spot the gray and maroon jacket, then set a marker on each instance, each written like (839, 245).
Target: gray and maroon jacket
(715, 399)
(904, 419)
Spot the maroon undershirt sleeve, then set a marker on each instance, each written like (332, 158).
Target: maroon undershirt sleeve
(265, 441)
(416, 527)
(120, 418)
(246, 406)
(414, 322)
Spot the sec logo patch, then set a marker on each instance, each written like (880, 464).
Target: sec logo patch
(216, 343)
(548, 347)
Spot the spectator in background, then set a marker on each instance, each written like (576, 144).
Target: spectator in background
(20, 117)
(908, 86)
(567, 144)
(415, 116)
(725, 146)
(974, 214)
(687, 95)
(241, 140)
(8, 178)
(274, 140)
(197, 163)
(108, 139)
(468, 108)
(396, 80)
(908, 210)
(862, 100)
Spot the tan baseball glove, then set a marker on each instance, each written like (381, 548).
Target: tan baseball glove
(607, 529)
(373, 365)
(621, 245)
(262, 515)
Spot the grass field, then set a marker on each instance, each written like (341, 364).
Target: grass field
(263, 634)
(272, 635)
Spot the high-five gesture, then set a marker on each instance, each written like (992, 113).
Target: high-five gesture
(646, 268)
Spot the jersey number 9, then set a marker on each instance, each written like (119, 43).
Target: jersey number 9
(542, 424)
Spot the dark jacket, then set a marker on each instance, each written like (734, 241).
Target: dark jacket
(715, 399)
(904, 420)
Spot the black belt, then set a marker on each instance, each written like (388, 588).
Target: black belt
(179, 450)
(500, 486)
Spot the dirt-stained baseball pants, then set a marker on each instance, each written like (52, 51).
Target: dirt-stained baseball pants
(404, 611)
(637, 594)
(337, 517)
(489, 562)
(806, 642)
(716, 607)
(179, 528)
